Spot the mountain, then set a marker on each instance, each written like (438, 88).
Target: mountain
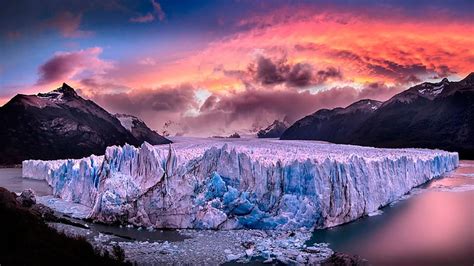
(58, 124)
(334, 125)
(275, 130)
(429, 115)
(140, 130)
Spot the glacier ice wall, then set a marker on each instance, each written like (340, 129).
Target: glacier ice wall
(247, 183)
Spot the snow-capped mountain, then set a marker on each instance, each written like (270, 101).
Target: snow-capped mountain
(274, 130)
(428, 115)
(57, 124)
(140, 130)
(334, 125)
(426, 90)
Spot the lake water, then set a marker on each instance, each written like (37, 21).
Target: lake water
(433, 225)
(10, 178)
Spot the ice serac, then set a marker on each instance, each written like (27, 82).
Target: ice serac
(240, 183)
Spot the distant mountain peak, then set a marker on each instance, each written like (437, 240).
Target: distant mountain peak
(425, 90)
(429, 115)
(140, 130)
(363, 105)
(59, 94)
(66, 90)
(274, 130)
(60, 124)
(469, 78)
(128, 121)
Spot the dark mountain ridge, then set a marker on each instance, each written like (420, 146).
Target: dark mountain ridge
(334, 125)
(429, 115)
(140, 130)
(57, 125)
(275, 130)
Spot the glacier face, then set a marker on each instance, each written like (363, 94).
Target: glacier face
(240, 183)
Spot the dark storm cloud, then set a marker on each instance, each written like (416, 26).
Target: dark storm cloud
(301, 75)
(268, 71)
(329, 73)
(236, 110)
(443, 71)
(53, 70)
(399, 72)
(163, 99)
(252, 105)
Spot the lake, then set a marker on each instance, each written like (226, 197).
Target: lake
(10, 178)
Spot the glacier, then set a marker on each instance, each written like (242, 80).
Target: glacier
(239, 183)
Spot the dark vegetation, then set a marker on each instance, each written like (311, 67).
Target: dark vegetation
(27, 240)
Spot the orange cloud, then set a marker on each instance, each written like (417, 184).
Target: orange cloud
(365, 49)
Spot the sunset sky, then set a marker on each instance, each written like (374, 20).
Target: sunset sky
(215, 67)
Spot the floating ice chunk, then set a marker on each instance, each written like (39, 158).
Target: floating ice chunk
(74, 210)
(375, 213)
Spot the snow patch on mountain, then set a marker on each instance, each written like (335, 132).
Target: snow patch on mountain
(126, 121)
(432, 91)
(53, 96)
(240, 183)
(274, 130)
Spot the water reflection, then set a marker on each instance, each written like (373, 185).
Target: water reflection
(433, 227)
(10, 178)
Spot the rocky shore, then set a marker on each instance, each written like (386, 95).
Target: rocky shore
(213, 247)
(194, 247)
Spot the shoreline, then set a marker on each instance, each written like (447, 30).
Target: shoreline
(198, 246)
(223, 247)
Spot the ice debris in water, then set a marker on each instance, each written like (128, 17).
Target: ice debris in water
(240, 183)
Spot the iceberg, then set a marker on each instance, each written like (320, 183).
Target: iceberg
(240, 183)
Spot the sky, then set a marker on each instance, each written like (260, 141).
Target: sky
(204, 68)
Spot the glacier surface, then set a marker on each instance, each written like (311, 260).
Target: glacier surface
(239, 183)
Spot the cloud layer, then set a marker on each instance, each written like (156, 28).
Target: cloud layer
(64, 66)
(244, 111)
(213, 68)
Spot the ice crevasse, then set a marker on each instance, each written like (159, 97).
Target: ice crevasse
(242, 183)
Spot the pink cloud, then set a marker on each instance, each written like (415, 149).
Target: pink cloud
(69, 65)
(147, 61)
(356, 43)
